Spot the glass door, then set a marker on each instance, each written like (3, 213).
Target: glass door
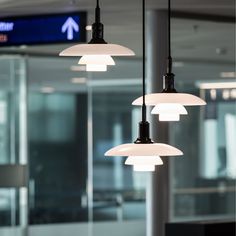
(13, 146)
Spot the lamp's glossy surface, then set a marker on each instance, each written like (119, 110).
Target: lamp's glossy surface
(169, 108)
(96, 60)
(97, 49)
(143, 149)
(181, 98)
(144, 168)
(144, 160)
(169, 117)
(92, 67)
(169, 111)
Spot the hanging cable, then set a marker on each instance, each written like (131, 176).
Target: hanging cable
(97, 13)
(169, 61)
(144, 61)
(143, 125)
(169, 36)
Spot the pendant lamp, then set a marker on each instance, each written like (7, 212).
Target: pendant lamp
(96, 55)
(144, 154)
(169, 104)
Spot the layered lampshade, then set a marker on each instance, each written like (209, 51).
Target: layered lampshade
(144, 156)
(169, 106)
(96, 55)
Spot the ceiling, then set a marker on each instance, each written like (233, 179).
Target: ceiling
(16, 7)
(205, 47)
(122, 20)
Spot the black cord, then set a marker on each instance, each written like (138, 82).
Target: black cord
(97, 13)
(144, 61)
(169, 36)
(169, 61)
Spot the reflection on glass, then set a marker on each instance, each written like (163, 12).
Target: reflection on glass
(116, 192)
(58, 154)
(10, 83)
(207, 189)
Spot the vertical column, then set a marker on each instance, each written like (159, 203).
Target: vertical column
(90, 156)
(118, 161)
(158, 190)
(12, 119)
(23, 141)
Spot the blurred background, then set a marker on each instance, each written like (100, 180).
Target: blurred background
(57, 120)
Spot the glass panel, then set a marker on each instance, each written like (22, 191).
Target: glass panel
(13, 205)
(118, 192)
(203, 181)
(57, 146)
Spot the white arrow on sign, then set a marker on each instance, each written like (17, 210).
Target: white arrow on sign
(70, 26)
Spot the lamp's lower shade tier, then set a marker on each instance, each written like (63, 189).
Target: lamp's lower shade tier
(143, 160)
(169, 111)
(169, 117)
(144, 168)
(98, 68)
(96, 60)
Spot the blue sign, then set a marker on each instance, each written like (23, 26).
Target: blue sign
(43, 29)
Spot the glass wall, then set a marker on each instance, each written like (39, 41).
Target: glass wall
(118, 192)
(203, 181)
(58, 148)
(73, 119)
(13, 142)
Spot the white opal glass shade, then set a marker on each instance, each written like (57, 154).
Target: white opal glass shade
(169, 111)
(154, 149)
(91, 67)
(144, 163)
(184, 99)
(144, 160)
(97, 49)
(144, 168)
(96, 60)
(169, 117)
(169, 108)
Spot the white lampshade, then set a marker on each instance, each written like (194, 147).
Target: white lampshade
(169, 111)
(100, 68)
(153, 149)
(144, 163)
(169, 108)
(184, 99)
(144, 160)
(96, 60)
(169, 117)
(144, 168)
(97, 49)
